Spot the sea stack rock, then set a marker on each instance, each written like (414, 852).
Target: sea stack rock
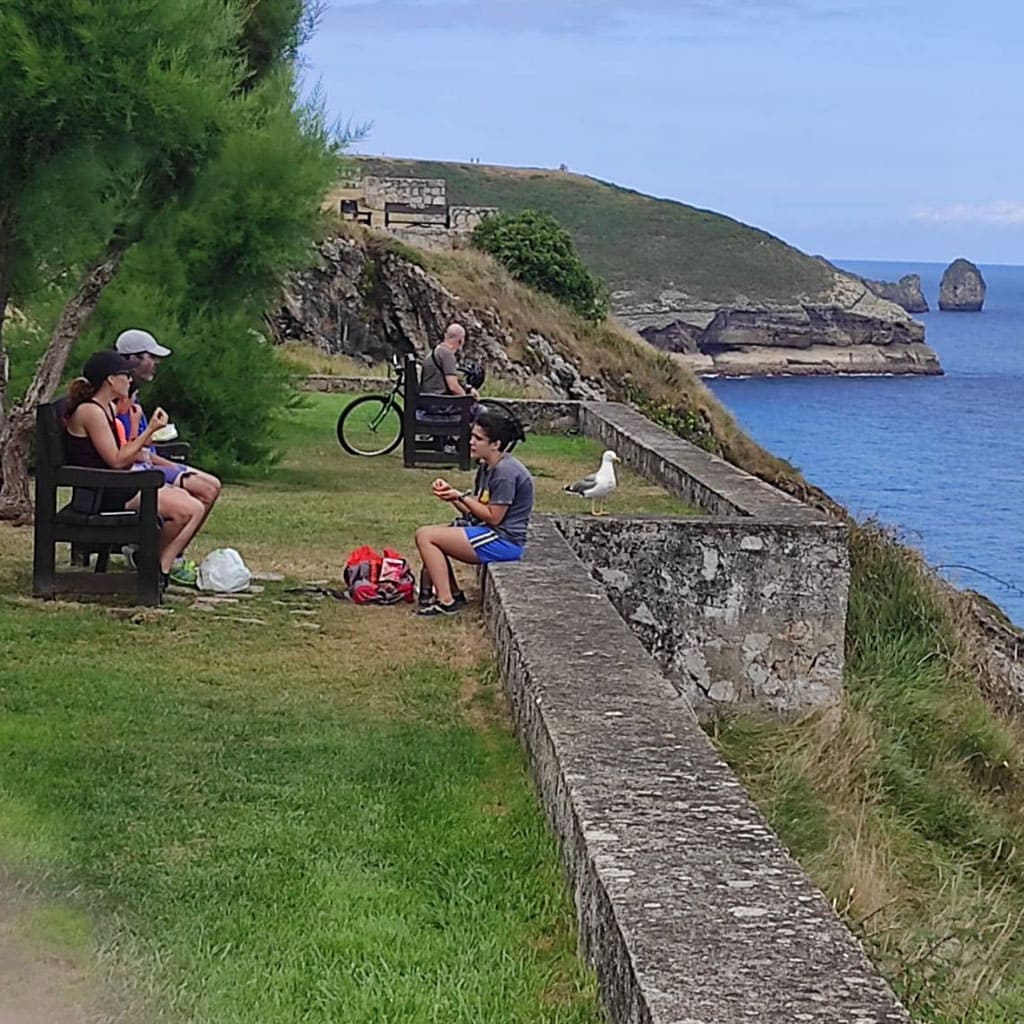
(906, 292)
(962, 289)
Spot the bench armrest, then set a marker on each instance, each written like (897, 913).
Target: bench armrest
(114, 479)
(176, 451)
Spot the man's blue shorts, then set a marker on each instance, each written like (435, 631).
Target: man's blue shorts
(490, 547)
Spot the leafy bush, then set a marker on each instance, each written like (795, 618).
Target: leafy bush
(538, 251)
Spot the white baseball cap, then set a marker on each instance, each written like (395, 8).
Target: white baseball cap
(135, 342)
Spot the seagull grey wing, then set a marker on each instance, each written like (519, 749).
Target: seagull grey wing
(582, 486)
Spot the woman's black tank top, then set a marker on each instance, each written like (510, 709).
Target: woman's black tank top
(80, 451)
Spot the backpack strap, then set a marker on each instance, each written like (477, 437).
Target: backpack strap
(440, 369)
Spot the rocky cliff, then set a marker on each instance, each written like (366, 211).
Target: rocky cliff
(905, 292)
(852, 331)
(962, 289)
(368, 298)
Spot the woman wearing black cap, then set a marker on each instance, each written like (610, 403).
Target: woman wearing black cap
(92, 440)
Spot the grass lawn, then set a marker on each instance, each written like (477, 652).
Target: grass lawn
(287, 809)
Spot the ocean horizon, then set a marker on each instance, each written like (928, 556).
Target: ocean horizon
(936, 458)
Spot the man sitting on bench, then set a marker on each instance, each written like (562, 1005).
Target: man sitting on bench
(144, 353)
(439, 374)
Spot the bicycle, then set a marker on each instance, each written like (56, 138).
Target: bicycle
(373, 425)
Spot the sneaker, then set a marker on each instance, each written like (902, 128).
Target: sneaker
(426, 600)
(437, 609)
(183, 575)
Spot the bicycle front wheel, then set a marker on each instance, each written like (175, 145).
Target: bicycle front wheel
(371, 425)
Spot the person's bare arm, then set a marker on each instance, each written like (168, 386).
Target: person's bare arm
(491, 515)
(96, 425)
(454, 385)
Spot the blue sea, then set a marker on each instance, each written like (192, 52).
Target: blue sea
(940, 458)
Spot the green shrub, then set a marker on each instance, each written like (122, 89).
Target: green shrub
(538, 251)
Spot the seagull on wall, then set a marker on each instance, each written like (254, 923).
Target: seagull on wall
(597, 487)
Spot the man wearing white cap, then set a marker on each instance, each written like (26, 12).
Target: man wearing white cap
(145, 353)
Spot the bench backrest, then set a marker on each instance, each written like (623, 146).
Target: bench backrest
(50, 453)
(442, 416)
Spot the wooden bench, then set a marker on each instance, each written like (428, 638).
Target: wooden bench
(411, 214)
(432, 422)
(82, 524)
(81, 554)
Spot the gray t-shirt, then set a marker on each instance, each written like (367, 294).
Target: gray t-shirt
(439, 364)
(509, 483)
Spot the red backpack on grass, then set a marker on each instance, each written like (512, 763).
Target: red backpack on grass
(379, 578)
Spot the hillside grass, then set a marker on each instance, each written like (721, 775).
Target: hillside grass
(288, 808)
(909, 810)
(638, 244)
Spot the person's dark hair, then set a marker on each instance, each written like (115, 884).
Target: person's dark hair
(501, 428)
(79, 391)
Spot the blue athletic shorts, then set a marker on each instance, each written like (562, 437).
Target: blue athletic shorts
(173, 474)
(489, 547)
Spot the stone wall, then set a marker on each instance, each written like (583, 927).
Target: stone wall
(465, 218)
(333, 384)
(432, 237)
(414, 191)
(744, 609)
(743, 613)
(688, 906)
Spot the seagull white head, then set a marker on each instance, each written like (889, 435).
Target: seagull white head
(610, 456)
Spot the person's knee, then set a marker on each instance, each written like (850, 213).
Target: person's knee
(171, 510)
(195, 509)
(203, 486)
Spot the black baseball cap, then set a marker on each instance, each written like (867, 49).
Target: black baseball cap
(101, 365)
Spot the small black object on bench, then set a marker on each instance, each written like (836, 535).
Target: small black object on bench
(82, 524)
(434, 422)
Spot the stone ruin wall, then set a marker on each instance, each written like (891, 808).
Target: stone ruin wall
(373, 193)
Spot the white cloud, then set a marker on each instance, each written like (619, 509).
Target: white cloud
(1006, 212)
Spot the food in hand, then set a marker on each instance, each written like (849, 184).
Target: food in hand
(167, 433)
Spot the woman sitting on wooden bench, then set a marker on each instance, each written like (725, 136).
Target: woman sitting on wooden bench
(92, 441)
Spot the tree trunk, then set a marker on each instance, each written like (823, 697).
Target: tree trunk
(6, 271)
(14, 438)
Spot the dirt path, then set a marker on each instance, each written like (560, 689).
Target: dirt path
(41, 980)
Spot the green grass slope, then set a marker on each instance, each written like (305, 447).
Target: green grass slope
(637, 243)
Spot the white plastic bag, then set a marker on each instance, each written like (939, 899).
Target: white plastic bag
(223, 571)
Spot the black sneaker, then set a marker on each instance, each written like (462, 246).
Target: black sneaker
(438, 609)
(459, 599)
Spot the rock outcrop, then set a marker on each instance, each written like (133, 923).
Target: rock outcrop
(366, 300)
(962, 289)
(854, 332)
(905, 292)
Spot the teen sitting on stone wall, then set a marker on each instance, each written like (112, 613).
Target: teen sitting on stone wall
(499, 514)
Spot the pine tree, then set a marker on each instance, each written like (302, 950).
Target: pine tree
(113, 113)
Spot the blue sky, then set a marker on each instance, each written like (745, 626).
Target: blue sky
(851, 128)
